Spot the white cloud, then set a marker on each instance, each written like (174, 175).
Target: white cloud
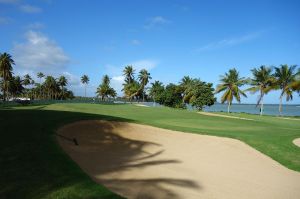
(230, 42)
(5, 20)
(135, 42)
(39, 53)
(30, 8)
(147, 64)
(72, 79)
(155, 21)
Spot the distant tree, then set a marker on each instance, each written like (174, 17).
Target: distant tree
(199, 94)
(156, 91)
(230, 84)
(128, 73)
(144, 77)
(15, 87)
(104, 90)
(85, 80)
(185, 84)
(40, 75)
(172, 96)
(285, 78)
(51, 86)
(6, 68)
(262, 82)
(62, 81)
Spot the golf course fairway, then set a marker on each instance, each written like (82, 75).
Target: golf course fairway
(34, 162)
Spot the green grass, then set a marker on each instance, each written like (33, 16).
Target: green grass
(32, 165)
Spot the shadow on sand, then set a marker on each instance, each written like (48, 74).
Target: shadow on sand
(33, 165)
(106, 155)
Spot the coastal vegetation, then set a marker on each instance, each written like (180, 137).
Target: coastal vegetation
(188, 92)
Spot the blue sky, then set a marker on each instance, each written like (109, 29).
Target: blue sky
(171, 39)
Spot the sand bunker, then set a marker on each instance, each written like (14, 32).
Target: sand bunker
(138, 161)
(220, 115)
(297, 142)
(143, 105)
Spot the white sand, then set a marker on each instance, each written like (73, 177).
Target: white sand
(220, 115)
(139, 161)
(297, 142)
(143, 105)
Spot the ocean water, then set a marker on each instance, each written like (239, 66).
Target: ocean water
(269, 109)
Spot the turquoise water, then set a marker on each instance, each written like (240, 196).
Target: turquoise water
(269, 109)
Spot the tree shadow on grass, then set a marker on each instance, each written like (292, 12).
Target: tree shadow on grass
(32, 164)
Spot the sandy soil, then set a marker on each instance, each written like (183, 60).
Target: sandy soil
(220, 115)
(297, 142)
(288, 118)
(139, 161)
(143, 105)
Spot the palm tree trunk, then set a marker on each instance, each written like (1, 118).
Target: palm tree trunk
(228, 108)
(85, 91)
(261, 107)
(280, 106)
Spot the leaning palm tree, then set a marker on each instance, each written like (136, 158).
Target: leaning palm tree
(262, 82)
(62, 81)
(6, 63)
(144, 77)
(85, 80)
(285, 78)
(128, 72)
(231, 83)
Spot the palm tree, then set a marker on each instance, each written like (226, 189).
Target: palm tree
(144, 77)
(27, 81)
(85, 80)
(15, 86)
(40, 75)
(6, 68)
(230, 83)
(128, 72)
(62, 81)
(50, 85)
(104, 89)
(262, 81)
(156, 89)
(285, 78)
(185, 83)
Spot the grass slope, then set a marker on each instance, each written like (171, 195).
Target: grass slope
(33, 166)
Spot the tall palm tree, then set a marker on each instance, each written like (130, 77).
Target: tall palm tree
(128, 72)
(144, 77)
(50, 86)
(6, 68)
(27, 81)
(40, 75)
(85, 80)
(285, 77)
(62, 81)
(262, 82)
(231, 83)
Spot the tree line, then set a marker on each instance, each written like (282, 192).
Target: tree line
(189, 91)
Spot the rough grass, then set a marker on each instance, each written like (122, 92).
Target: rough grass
(33, 166)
